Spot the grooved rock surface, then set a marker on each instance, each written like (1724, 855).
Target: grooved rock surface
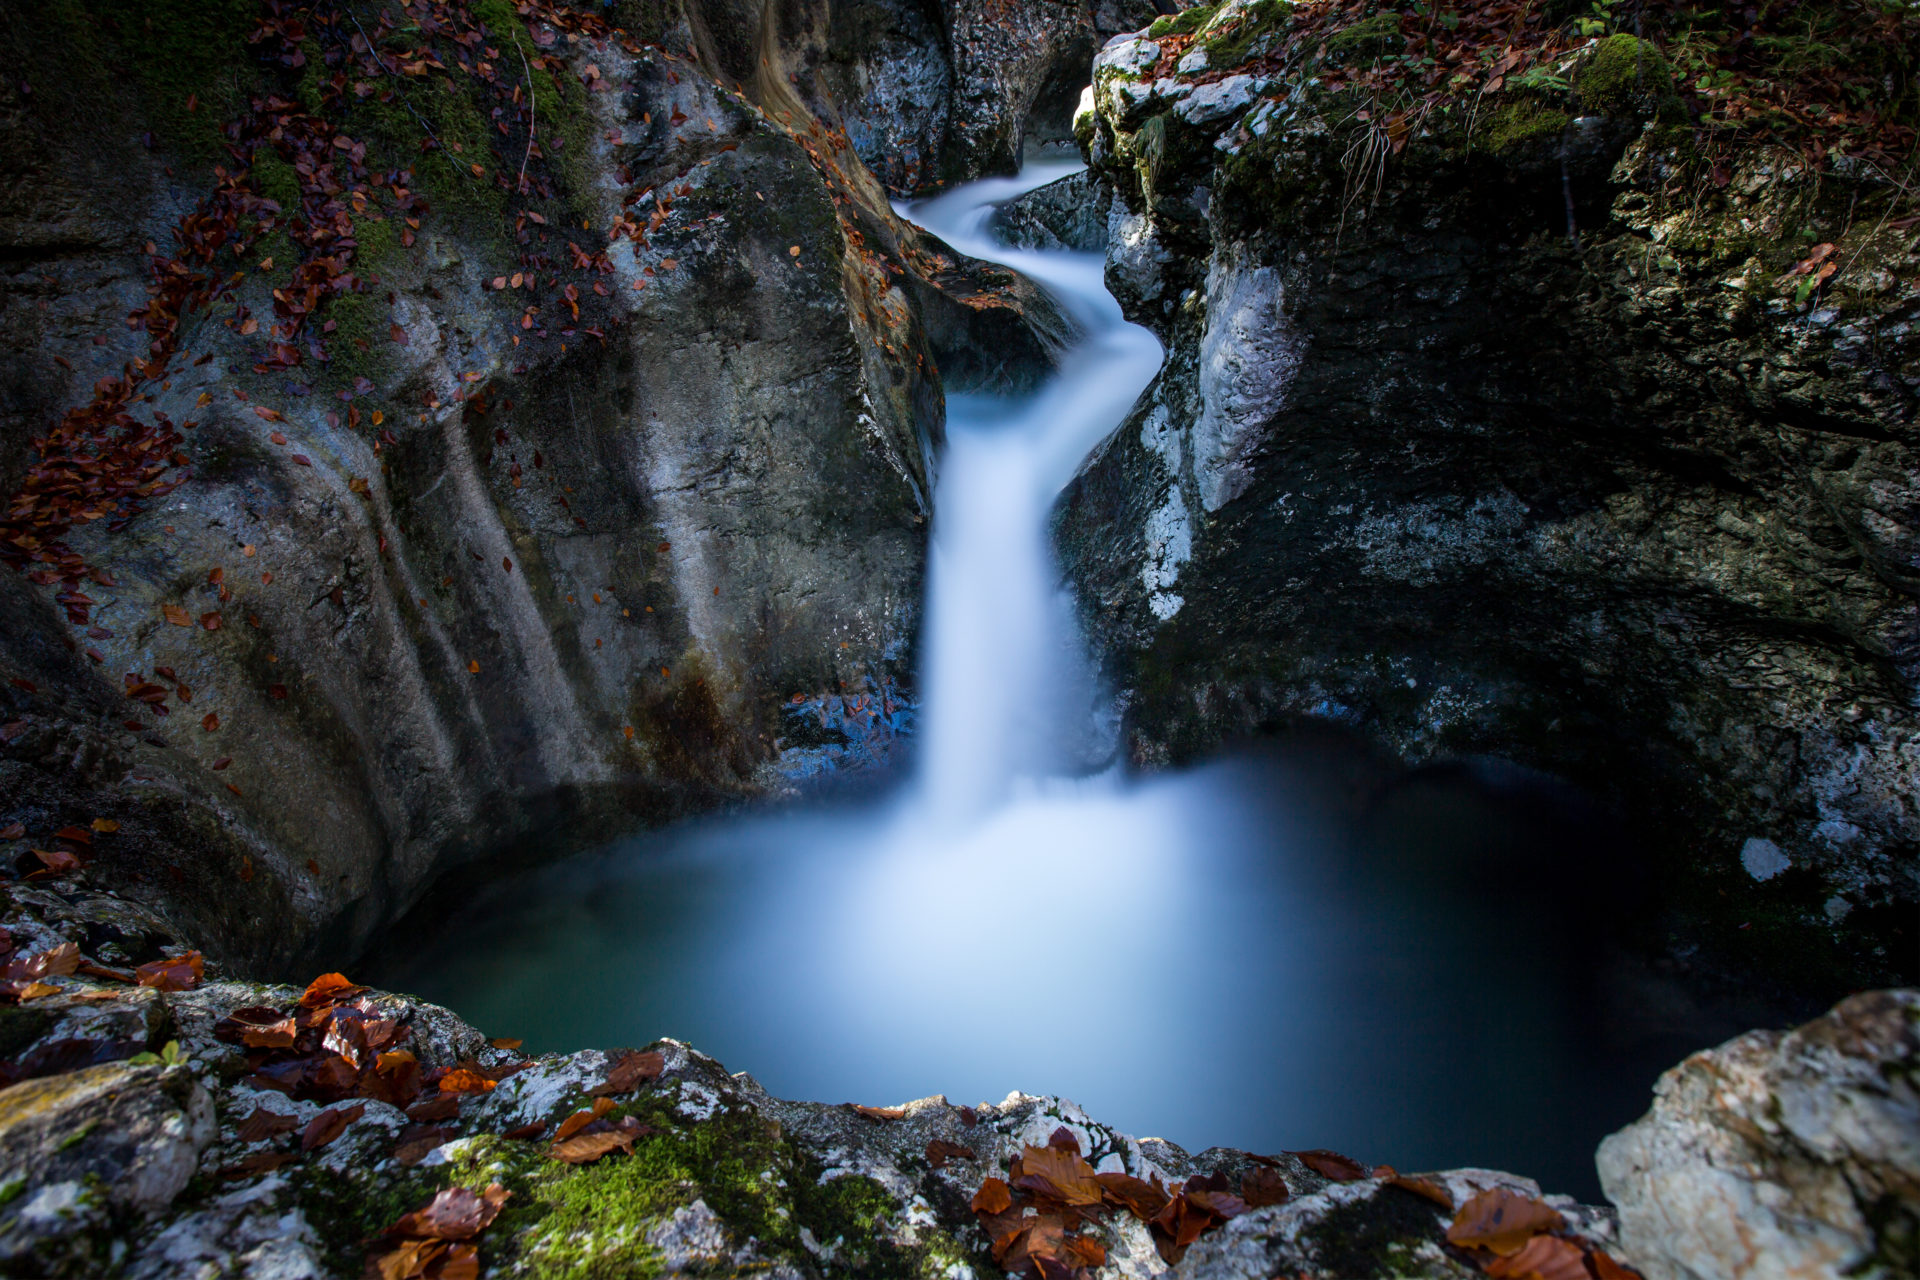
(1627, 511)
(1780, 1155)
(568, 578)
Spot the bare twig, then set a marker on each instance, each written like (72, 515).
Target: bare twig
(533, 120)
(401, 93)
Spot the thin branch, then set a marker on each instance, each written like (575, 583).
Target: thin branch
(400, 92)
(533, 120)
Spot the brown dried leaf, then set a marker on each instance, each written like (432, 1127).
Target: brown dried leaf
(1143, 1199)
(330, 1124)
(258, 1163)
(940, 1152)
(1332, 1166)
(444, 1107)
(457, 1213)
(589, 1147)
(264, 1124)
(1059, 1174)
(1501, 1220)
(1542, 1258)
(632, 1070)
(1262, 1187)
(176, 615)
(175, 973)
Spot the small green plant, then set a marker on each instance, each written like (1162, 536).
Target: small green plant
(1541, 80)
(170, 1055)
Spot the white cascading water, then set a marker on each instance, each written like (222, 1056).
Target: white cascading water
(1000, 663)
(1216, 955)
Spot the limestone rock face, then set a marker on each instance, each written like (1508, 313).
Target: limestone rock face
(1614, 505)
(568, 583)
(938, 91)
(1780, 1155)
(90, 1148)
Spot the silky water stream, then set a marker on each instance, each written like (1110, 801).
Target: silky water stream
(1285, 951)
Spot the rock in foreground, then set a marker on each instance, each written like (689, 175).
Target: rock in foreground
(1781, 1153)
(232, 1129)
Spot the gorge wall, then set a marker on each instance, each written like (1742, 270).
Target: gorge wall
(1499, 433)
(558, 417)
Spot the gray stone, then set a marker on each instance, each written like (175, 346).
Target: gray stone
(1781, 1155)
(92, 1147)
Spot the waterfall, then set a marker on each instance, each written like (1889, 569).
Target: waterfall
(1000, 654)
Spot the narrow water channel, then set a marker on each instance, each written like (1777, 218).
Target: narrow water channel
(1289, 951)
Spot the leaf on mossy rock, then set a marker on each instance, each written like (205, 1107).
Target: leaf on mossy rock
(1332, 1166)
(1502, 1220)
(330, 1124)
(632, 1070)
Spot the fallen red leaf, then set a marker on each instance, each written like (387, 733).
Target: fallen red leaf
(57, 859)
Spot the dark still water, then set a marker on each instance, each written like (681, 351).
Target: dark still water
(1275, 953)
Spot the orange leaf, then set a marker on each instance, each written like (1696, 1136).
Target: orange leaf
(994, 1196)
(1542, 1258)
(462, 1081)
(329, 988)
(176, 615)
(175, 973)
(1501, 1220)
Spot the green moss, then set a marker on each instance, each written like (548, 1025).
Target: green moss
(275, 179)
(351, 1207)
(1524, 123)
(1369, 40)
(1233, 43)
(1626, 76)
(1185, 23)
(176, 52)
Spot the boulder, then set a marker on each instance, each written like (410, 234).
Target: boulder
(1780, 1155)
(90, 1150)
(1492, 440)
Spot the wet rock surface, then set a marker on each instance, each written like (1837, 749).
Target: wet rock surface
(1612, 505)
(569, 583)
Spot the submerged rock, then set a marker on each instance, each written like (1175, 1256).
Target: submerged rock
(1781, 1154)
